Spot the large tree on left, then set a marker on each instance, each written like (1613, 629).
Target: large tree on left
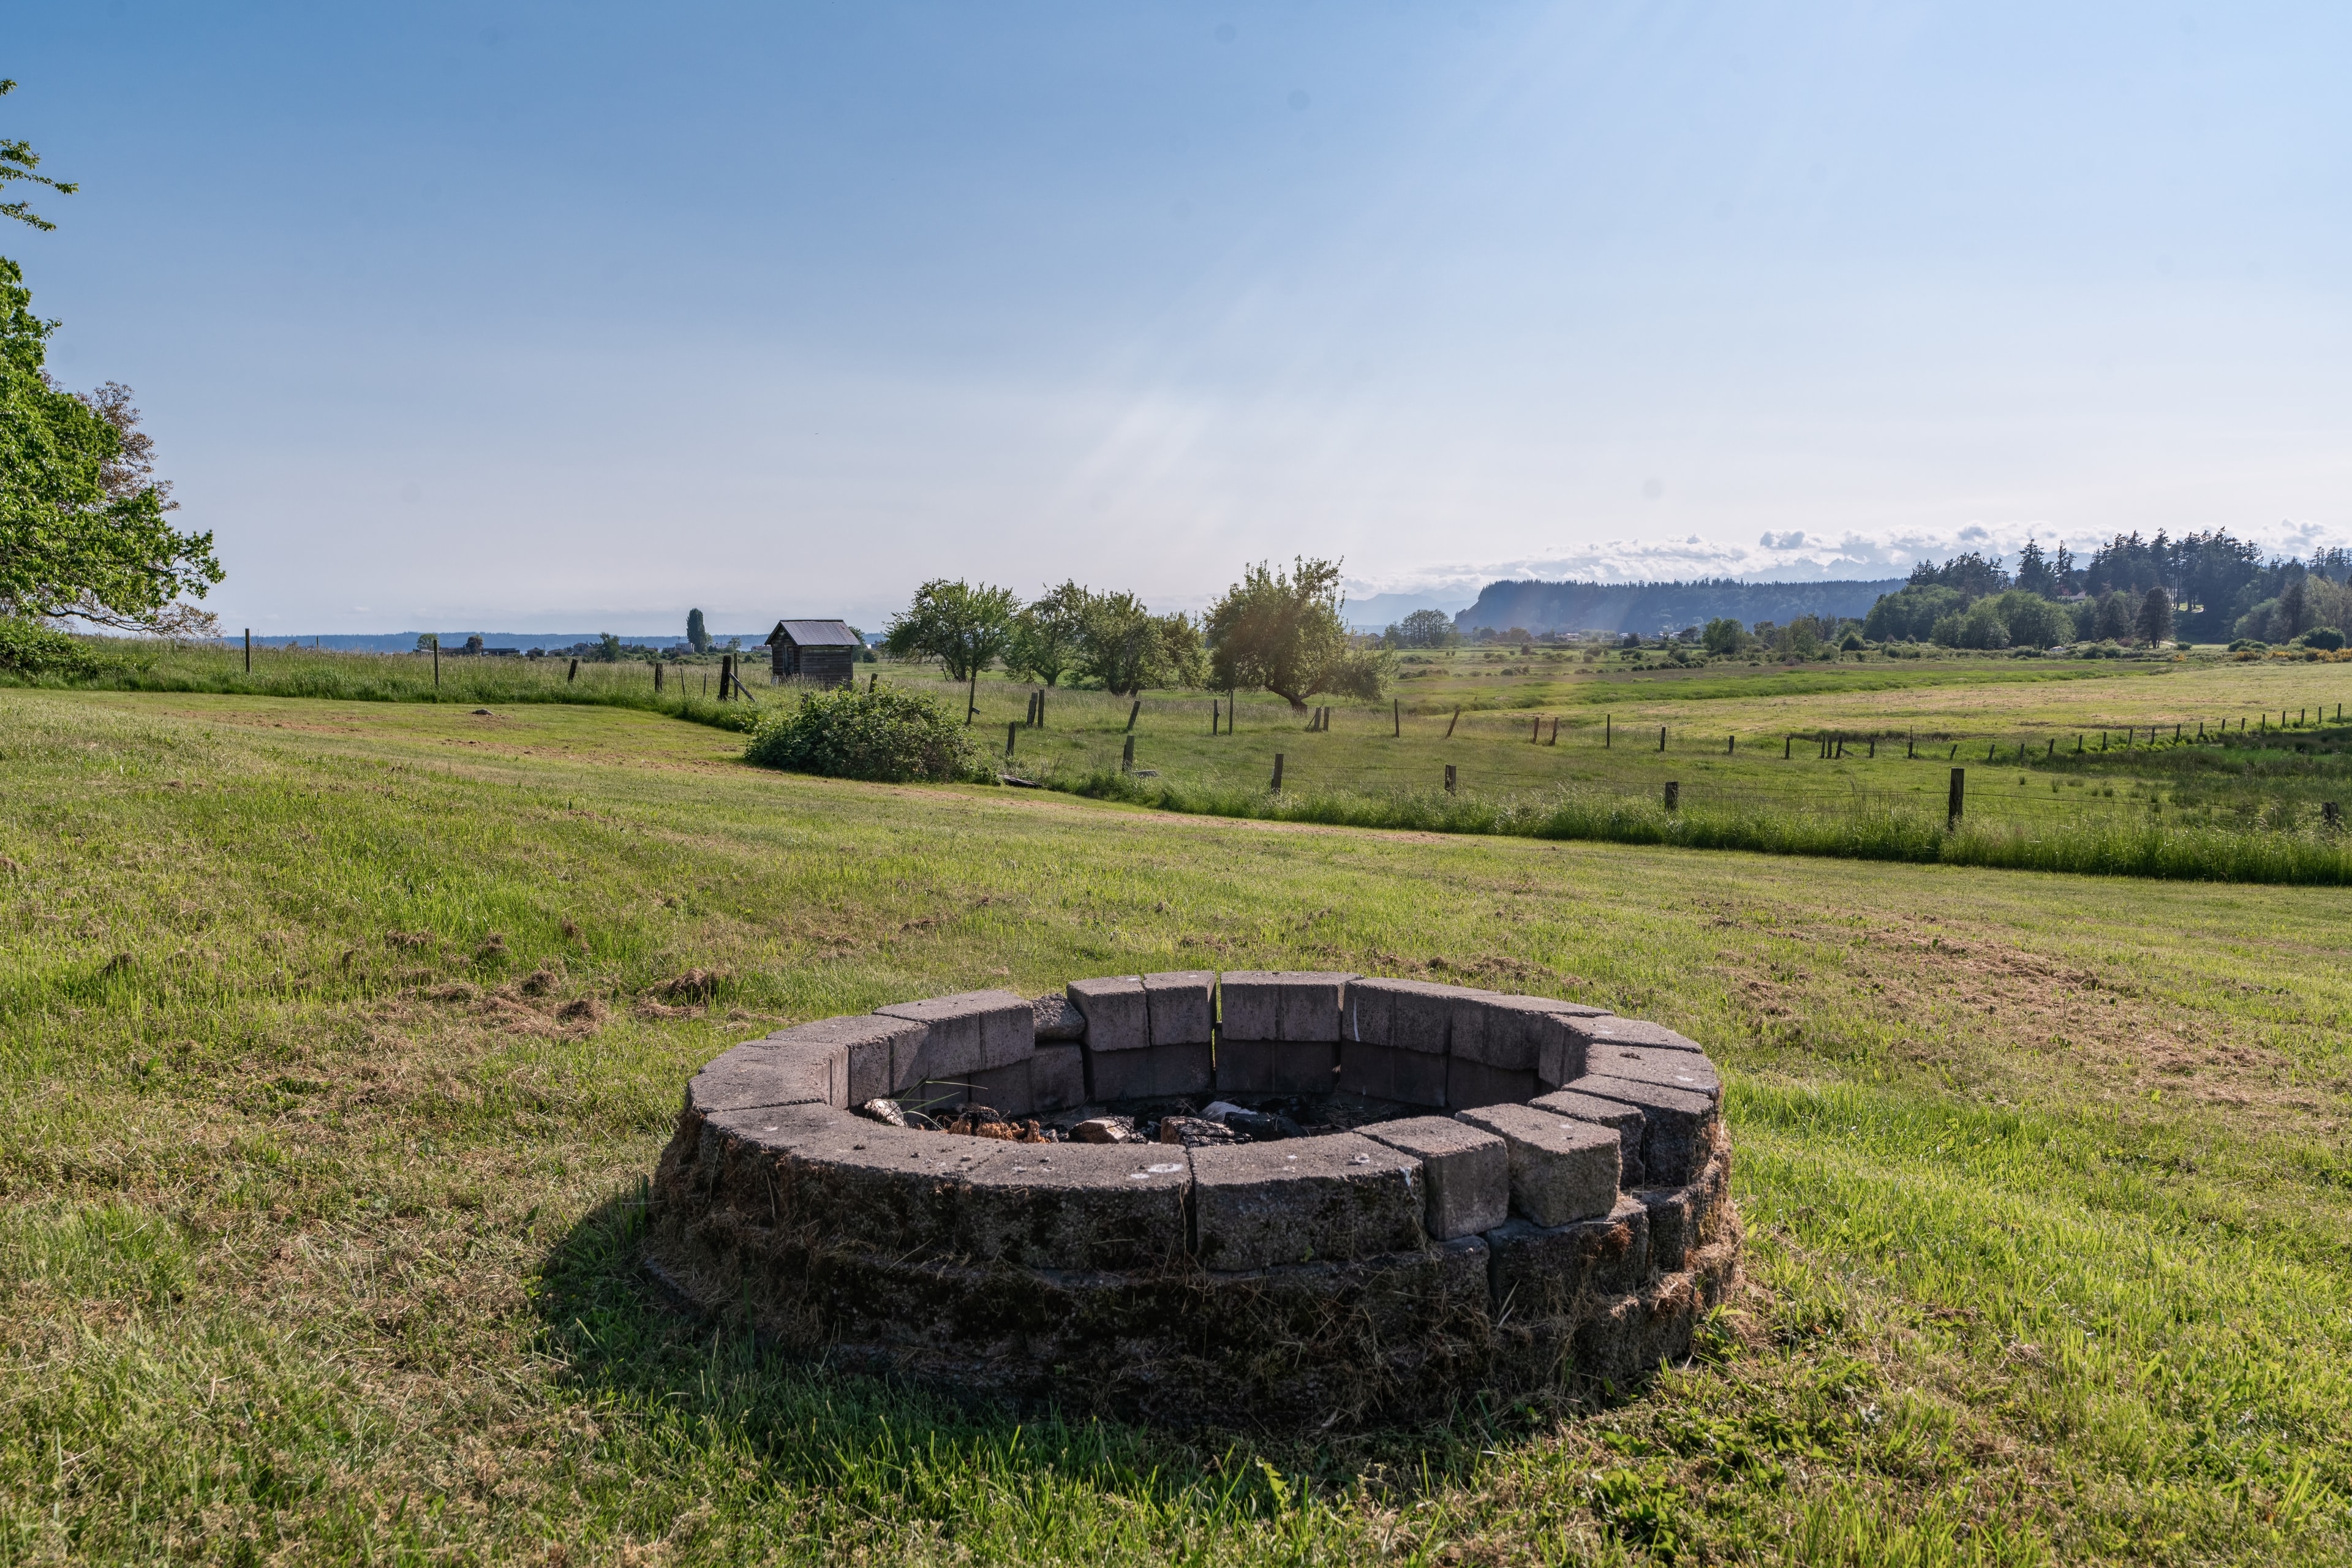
(82, 530)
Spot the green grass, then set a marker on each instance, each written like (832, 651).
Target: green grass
(317, 1233)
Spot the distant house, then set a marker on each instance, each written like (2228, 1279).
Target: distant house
(818, 652)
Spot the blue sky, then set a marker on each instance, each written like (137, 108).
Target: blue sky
(561, 314)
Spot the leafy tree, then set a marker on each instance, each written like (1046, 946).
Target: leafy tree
(698, 635)
(1425, 628)
(965, 628)
(1722, 636)
(1047, 634)
(608, 648)
(2113, 620)
(1282, 631)
(2034, 621)
(17, 162)
(2154, 622)
(1982, 627)
(1127, 647)
(82, 530)
(427, 641)
(2035, 575)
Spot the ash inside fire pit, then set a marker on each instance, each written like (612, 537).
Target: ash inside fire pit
(1299, 1199)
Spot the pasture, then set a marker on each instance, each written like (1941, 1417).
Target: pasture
(339, 1035)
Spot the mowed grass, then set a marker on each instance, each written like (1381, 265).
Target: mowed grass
(318, 1227)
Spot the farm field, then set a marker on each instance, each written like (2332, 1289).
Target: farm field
(316, 1225)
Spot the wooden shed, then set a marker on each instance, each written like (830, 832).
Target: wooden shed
(819, 652)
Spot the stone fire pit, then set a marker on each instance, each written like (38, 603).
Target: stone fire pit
(1514, 1192)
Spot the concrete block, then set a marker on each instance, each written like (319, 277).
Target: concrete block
(1115, 1013)
(1408, 1015)
(1670, 1232)
(1312, 1000)
(1469, 1083)
(1302, 1200)
(1384, 1072)
(1677, 1125)
(1005, 1091)
(1560, 1170)
(882, 1050)
(1608, 1029)
(969, 1032)
(1153, 1073)
(1509, 1031)
(1249, 1005)
(1647, 1064)
(849, 1176)
(1057, 1078)
(1564, 1272)
(1057, 1019)
(1181, 1006)
(769, 1072)
(1467, 1172)
(1626, 1119)
(1078, 1205)
(1277, 1067)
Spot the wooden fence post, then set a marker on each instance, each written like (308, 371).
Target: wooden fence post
(1662, 737)
(436, 664)
(1396, 717)
(1276, 786)
(1010, 729)
(1451, 723)
(249, 650)
(1449, 778)
(1673, 795)
(1959, 797)
(658, 677)
(1126, 757)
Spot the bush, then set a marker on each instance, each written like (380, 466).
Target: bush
(890, 733)
(28, 648)
(2327, 637)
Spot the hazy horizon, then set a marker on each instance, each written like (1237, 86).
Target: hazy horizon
(448, 315)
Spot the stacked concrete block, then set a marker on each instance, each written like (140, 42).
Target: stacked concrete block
(1467, 1172)
(1381, 1273)
(967, 1034)
(1562, 1169)
(1304, 1200)
(1278, 1032)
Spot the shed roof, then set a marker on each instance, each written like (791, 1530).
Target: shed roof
(814, 634)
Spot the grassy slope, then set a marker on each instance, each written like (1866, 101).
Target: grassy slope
(2048, 1205)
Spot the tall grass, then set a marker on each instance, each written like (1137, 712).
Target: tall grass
(2112, 847)
(337, 675)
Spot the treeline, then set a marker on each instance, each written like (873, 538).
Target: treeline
(1650, 608)
(1273, 630)
(2208, 587)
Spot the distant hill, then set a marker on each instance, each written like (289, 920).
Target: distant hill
(1652, 607)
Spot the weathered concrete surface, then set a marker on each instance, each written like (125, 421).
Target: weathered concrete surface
(1560, 1170)
(1056, 1019)
(1471, 1083)
(1277, 1067)
(1649, 1063)
(1008, 1090)
(1624, 1119)
(768, 1072)
(881, 1050)
(1551, 1270)
(1304, 1200)
(1509, 1031)
(1676, 1123)
(1057, 1078)
(1407, 1014)
(1387, 1072)
(1118, 1018)
(1180, 1006)
(1153, 1073)
(1467, 1172)
(1078, 1205)
(970, 1033)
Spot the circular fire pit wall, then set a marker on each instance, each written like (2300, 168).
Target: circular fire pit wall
(1547, 1200)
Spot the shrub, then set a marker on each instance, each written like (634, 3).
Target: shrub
(890, 733)
(28, 648)
(2327, 637)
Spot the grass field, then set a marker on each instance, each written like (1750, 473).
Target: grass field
(316, 1227)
